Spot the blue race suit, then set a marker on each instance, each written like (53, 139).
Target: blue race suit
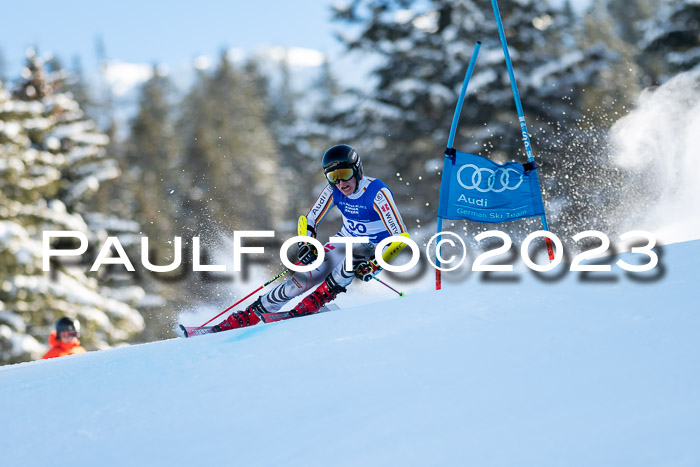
(369, 212)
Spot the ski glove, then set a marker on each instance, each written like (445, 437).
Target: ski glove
(307, 253)
(366, 270)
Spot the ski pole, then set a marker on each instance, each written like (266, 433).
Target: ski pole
(301, 231)
(401, 294)
(253, 292)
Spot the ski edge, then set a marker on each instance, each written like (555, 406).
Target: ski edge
(272, 317)
(191, 331)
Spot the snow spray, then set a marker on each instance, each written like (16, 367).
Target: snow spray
(658, 144)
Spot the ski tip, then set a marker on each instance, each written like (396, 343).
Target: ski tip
(183, 330)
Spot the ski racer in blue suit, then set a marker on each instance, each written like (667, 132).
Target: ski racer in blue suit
(368, 210)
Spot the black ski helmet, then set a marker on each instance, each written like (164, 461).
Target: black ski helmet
(342, 156)
(67, 324)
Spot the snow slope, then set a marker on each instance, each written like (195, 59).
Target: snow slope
(520, 372)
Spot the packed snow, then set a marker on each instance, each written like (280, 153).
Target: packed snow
(507, 369)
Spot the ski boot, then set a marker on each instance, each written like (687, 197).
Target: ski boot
(324, 293)
(241, 319)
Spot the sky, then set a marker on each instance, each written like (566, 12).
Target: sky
(174, 33)
(169, 31)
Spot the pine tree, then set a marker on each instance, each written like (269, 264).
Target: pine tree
(288, 127)
(627, 15)
(77, 85)
(324, 126)
(52, 161)
(150, 159)
(618, 85)
(151, 190)
(669, 41)
(327, 86)
(426, 47)
(229, 155)
(3, 66)
(321, 127)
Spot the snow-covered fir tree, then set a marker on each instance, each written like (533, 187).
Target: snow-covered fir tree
(150, 190)
(228, 154)
(150, 160)
(322, 126)
(425, 49)
(2, 66)
(288, 125)
(52, 162)
(669, 41)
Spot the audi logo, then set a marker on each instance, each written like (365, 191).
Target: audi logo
(485, 180)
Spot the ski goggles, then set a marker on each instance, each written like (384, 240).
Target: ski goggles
(65, 335)
(338, 175)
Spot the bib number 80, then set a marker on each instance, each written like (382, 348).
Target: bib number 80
(357, 227)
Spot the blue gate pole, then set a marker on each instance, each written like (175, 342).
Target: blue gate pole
(462, 94)
(519, 107)
(513, 84)
(450, 143)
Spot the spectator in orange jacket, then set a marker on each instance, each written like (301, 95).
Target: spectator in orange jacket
(64, 340)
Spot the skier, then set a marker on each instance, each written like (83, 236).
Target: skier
(64, 340)
(368, 210)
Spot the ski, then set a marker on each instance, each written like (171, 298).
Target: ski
(281, 315)
(190, 331)
(274, 316)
